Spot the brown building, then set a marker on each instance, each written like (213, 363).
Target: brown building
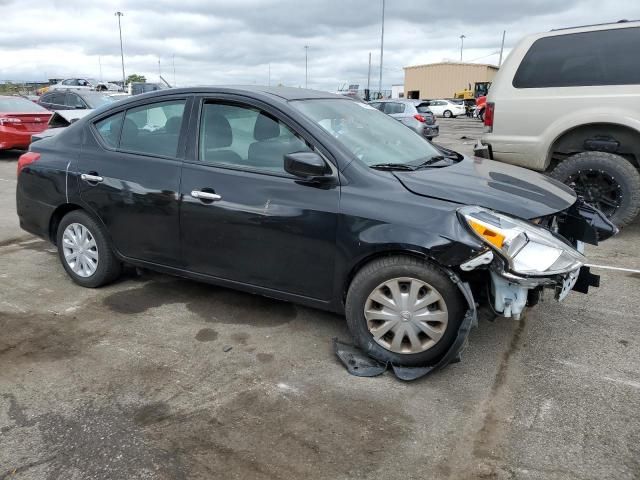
(442, 80)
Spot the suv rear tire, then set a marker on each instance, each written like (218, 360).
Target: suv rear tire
(420, 313)
(605, 180)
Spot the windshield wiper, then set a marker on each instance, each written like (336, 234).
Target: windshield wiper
(435, 159)
(392, 166)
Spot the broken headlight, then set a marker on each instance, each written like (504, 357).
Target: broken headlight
(527, 248)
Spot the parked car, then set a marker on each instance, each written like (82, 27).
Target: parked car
(412, 113)
(446, 108)
(74, 100)
(84, 84)
(308, 197)
(19, 119)
(580, 89)
(137, 88)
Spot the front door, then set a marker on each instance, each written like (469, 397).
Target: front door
(243, 218)
(130, 178)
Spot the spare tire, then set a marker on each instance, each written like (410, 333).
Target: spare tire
(608, 182)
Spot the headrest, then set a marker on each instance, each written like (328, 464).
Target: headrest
(129, 131)
(173, 124)
(217, 130)
(265, 128)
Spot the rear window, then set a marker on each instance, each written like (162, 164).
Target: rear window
(423, 108)
(603, 57)
(19, 105)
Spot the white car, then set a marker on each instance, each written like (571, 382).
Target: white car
(86, 84)
(446, 108)
(567, 102)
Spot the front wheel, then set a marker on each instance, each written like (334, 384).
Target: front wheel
(404, 310)
(85, 252)
(608, 182)
(447, 114)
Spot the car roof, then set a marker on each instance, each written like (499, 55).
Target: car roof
(283, 93)
(400, 100)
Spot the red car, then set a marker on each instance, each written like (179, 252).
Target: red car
(19, 119)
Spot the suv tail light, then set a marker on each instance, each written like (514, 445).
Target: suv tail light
(420, 118)
(488, 116)
(26, 159)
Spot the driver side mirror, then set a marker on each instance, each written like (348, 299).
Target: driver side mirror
(308, 165)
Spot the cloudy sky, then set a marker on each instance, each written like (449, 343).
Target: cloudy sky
(235, 41)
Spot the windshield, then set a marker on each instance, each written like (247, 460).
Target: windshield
(372, 136)
(19, 105)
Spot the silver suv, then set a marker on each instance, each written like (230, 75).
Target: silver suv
(567, 102)
(415, 114)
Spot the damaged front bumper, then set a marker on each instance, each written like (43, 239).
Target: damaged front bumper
(511, 292)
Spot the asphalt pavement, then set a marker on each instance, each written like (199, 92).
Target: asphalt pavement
(156, 377)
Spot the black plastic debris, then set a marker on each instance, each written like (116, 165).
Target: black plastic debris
(360, 364)
(357, 362)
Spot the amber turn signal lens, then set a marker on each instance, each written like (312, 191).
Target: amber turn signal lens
(494, 238)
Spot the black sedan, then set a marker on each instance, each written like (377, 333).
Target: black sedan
(74, 100)
(308, 197)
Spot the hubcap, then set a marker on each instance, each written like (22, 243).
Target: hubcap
(598, 188)
(80, 250)
(406, 315)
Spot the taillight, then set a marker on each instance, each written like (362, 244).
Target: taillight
(27, 159)
(420, 118)
(488, 116)
(9, 120)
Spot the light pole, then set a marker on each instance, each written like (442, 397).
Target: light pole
(462, 37)
(306, 66)
(120, 14)
(504, 32)
(381, 52)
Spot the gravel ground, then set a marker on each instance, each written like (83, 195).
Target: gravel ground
(136, 381)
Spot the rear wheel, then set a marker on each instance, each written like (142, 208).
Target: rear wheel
(608, 182)
(404, 310)
(84, 250)
(447, 114)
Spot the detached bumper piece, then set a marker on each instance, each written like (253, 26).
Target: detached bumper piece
(483, 150)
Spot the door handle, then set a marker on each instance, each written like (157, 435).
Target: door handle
(91, 178)
(205, 195)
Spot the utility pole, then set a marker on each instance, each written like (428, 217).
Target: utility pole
(100, 65)
(173, 63)
(269, 78)
(159, 68)
(504, 32)
(124, 80)
(306, 66)
(368, 95)
(462, 37)
(381, 52)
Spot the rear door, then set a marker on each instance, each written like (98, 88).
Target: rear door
(130, 177)
(245, 219)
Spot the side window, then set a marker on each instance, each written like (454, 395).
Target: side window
(74, 101)
(247, 137)
(394, 107)
(153, 129)
(378, 105)
(109, 129)
(68, 82)
(581, 59)
(57, 99)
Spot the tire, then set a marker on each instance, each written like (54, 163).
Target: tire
(96, 269)
(450, 309)
(620, 180)
(447, 114)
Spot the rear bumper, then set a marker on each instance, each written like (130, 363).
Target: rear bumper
(430, 131)
(12, 139)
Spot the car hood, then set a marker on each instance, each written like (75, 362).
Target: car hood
(499, 186)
